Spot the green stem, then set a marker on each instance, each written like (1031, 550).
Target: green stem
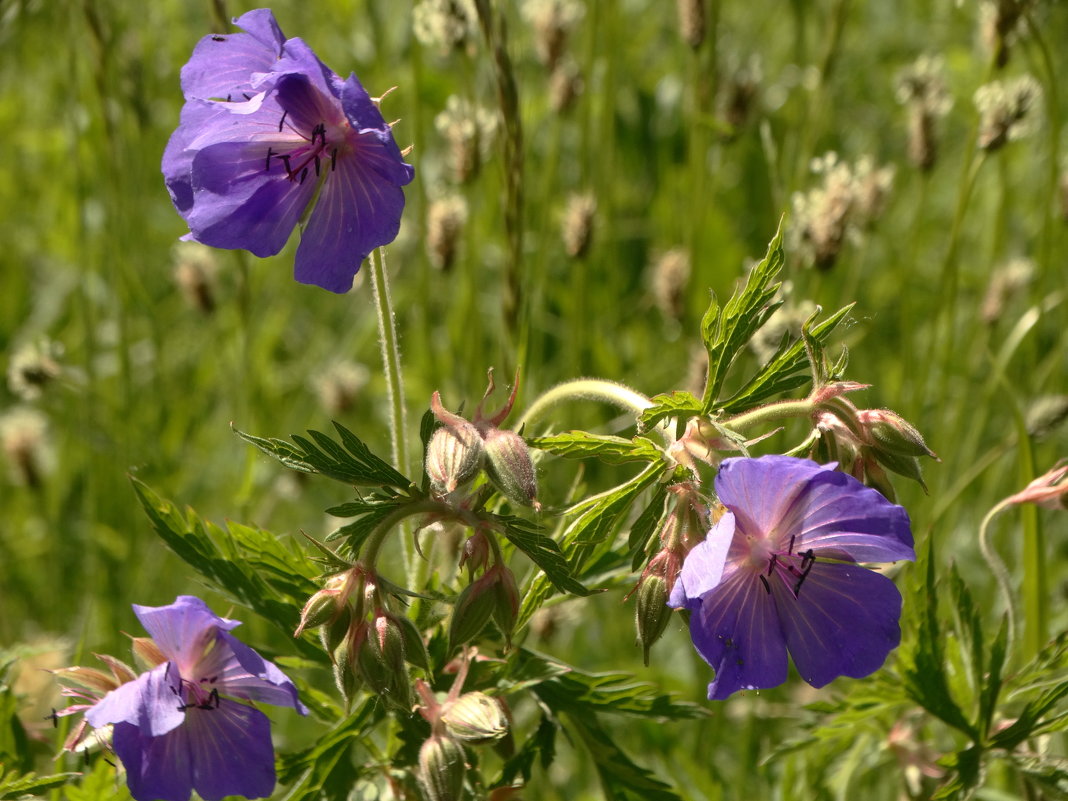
(773, 412)
(373, 544)
(592, 389)
(387, 332)
(1001, 573)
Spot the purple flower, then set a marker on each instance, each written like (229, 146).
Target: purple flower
(779, 573)
(189, 724)
(268, 132)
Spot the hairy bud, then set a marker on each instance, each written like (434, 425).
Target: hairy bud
(511, 468)
(476, 718)
(442, 768)
(381, 658)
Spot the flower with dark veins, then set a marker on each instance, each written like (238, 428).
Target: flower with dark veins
(189, 723)
(779, 572)
(270, 138)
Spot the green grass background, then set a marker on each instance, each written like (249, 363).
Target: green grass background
(150, 385)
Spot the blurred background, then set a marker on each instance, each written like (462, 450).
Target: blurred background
(659, 147)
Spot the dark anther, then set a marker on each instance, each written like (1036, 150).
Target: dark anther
(218, 38)
(771, 564)
(282, 121)
(808, 556)
(316, 166)
(212, 702)
(303, 174)
(246, 95)
(728, 643)
(764, 581)
(227, 97)
(791, 548)
(333, 159)
(85, 753)
(285, 160)
(270, 152)
(105, 759)
(174, 689)
(54, 717)
(804, 574)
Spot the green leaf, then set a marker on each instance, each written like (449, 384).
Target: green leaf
(98, 784)
(249, 565)
(991, 686)
(923, 664)
(542, 550)
(311, 772)
(644, 527)
(12, 786)
(785, 370)
(726, 331)
(620, 777)
(349, 461)
(672, 404)
(1030, 719)
(592, 520)
(370, 511)
(1048, 772)
(582, 445)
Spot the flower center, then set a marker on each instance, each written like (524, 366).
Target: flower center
(791, 567)
(315, 152)
(200, 694)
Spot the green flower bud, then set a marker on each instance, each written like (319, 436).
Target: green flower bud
(506, 603)
(891, 433)
(453, 456)
(345, 674)
(651, 611)
(442, 768)
(476, 718)
(414, 647)
(380, 661)
(473, 610)
(510, 467)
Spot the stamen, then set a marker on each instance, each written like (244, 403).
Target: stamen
(227, 97)
(212, 702)
(218, 38)
(333, 159)
(270, 152)
(771, 564)
(303, 174)
(764, 581)
(282, 121)
(285, 160)
(246, 95)
(316, 166)
(791, 548)
(54, 717)
(805, 572)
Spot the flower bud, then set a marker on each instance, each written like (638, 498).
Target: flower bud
(511, 468)
(506, 606)
(453, 457)
(442, 768)
(578, 224)
(473, 610)
(476, 718)
(343, 656)
(475, 553)
(336, 632)
(320, 609)
(692, 22)
(651, 611)
(891, 433)
(380, 661)
(414, 647)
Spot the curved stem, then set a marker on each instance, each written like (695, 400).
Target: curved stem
(1001, 573)
(770, 413)
(593, 389)
(373, 544)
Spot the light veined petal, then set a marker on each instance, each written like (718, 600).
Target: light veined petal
(230, 750)
(182, 629)
(157, 768)
(703, 568)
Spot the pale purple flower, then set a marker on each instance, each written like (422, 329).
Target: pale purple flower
(779, 572)
(270, 137)
(189, 723)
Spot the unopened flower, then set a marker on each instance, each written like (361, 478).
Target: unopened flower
(32, 368)
(779, 572)
(27, 445)
(1007, 110)
(553, 21)
(469, 130)
(578, 224)
(189, 723)
(445, 220)
(670, 276)
(270, 136)
(1050, 490)
(848, 201)
(691, 14)
(445, 24)
(922, 90)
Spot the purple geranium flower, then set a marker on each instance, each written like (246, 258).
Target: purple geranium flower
(189, 724)
(779, 572)
(269, 132)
